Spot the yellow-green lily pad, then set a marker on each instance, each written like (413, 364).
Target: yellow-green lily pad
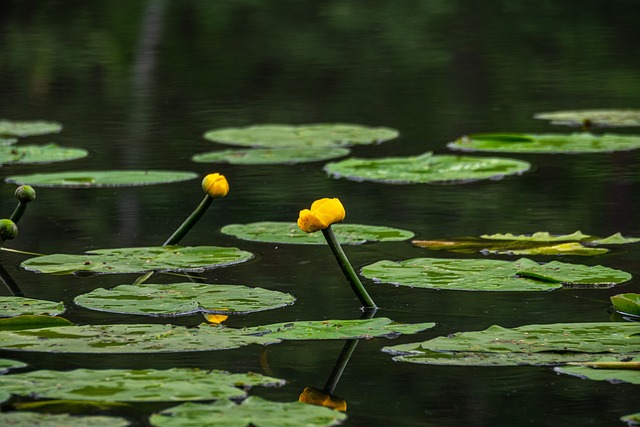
(592, 118)
(309, 135)
(257, 156)
(32, 154)
(426, 168)
(22, 128)
(35, 419)
(581, 142)
(289, 232)
(139, 260)
(90, 179)
(15, 306)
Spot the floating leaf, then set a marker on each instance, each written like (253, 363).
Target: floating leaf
(631, 419)
(540, 236)
(592, 118)
(489, 275)
(14, 306)
(26, 154)
(254, 411)
(256, 156)
(615, 239)
(145, 385)
(312, 135)
(6, 364)
(289, 232)
(29, 321)
(582, 142)
(7, 141)
(35, 419)
(87, 179)
(426, 168)
(28, 128)
(178, 299)
(593, 371)
(339, 329)
(139, 260)
(550, 344)
(626, 304)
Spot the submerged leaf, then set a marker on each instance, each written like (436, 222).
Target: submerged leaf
(256, 156)
(28, 128)
(27, 154)
(592, 118)
(14, 306)
(89, 179)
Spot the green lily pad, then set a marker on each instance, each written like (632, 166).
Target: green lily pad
(631, 419)
(540, 236)
(30, 321)
(339, 329)
(139, 260)
(582, 142)
(426, 168)
(28, 128)
(89, 179)
(28, 154)
(289, 232)
(35, 419)
(256, 156)
(592, 372)
(145, 385)
(628, 303)
(7, 141)
(614, 239)
(15, 306)
(490, 275)
(551, 344)
(6, 364)
(254, 411)
(311, 135)
(178, 299)
(592, 118)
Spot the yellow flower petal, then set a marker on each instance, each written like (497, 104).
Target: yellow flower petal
(215, 185)
(314, 396)
(322, 214)
(308, 222)
(216, 319)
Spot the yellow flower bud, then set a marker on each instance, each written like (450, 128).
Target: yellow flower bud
(322, 214)
(215, 185)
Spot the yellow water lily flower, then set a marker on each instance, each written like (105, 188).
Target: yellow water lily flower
(215, 319)
(314, 396)
(215, 185)
(322, 214)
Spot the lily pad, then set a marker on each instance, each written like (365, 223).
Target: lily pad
(582, 142)
(310, 135)
(592, 371)
(178, 299)
(15, 306)
(35, 419)
(490, 275)
(426, 168)
(289, 232)
(139, 260)
(631, 419)
(254, 411)
(28, 128)
(551, 344)
(145, 385)
(30, 321)
(627, 304)
(256, 156)
(592, 118)
(6, 364)
(27, 154)
(7, 141)
(89, 179)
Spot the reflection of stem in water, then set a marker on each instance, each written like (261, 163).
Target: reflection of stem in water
(10, 283)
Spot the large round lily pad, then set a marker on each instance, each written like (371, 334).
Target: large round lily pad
(551, 344)
(29, 154)
(310, 135)
(15, 306)
(28, 128)
(426, 168)
(87, 179)
(36, 419)
(289, 232)
(139, 260)
(144, 385)
(491, 275)
(592, 118)
(177, 299)
(256, 156)
(582, 142)
(254, 411)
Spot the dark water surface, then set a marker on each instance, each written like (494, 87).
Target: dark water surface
(137, 83)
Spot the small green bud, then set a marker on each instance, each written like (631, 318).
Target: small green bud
(25, 194)
(8, 229)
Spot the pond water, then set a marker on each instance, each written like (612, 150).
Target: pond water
(138, 83)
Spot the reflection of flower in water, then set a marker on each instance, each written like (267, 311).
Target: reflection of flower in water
(314, 396)
(215, 319)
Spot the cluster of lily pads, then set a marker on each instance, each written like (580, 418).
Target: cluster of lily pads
(596, 350)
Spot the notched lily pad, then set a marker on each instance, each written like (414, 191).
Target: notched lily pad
(139, 260)
(35, 419)
(145, 385)
(582, 142)
(178, 299)
(15, 306)
(29, 154)
(253, 411)
(90, 179)
(592, 118)
(627, 304)
(289, 232)
(24, 128)
(552, 344)
(284, 155)
(490, 275)
(310, 135)
(426, 168)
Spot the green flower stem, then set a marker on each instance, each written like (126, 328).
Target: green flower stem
(190, 221)
(18, 212)
(347, 269)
